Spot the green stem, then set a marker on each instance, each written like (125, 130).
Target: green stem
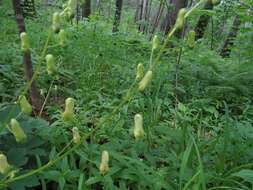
(28, 85)
(43, 183)
(47, 96)
(49, 164)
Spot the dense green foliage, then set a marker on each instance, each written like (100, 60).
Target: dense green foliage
(198, 134)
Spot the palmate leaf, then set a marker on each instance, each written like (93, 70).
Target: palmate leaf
(25, 183)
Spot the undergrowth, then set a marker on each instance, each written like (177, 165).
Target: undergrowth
(198, 135)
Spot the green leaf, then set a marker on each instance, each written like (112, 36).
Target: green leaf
(61, 182)
(80, 182)
(93, 180)
(245, 174)
(31, 181)
(7, 113)
(52, 175)
(185, 161)
(17, 156)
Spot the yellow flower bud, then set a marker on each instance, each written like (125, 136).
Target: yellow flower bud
(25, 105)
(180, 18)
(191, 39)
(72, 4)
(155, 43)
(51, 68)
(24, 42)
(215, 2)
(138, 126)
(70, 14)
(17, 131)
(64, 5)
(68, 114)
(56, 22)
(4, 165)
(145, 80)
(104, 165)
(140, 71)
(76, 135)
(65, 12)
(62, 37)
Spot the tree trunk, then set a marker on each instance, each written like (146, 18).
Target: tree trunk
(171, 16)
(86, 9)
(203, 22)
(116, 23)
(143, 16)
(229, 41)
(148, 16)
(138, 11)
(158, 16)
(34, 95)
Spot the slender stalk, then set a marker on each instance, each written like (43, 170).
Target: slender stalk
(46, 99)
(43, 183)
(28, 85)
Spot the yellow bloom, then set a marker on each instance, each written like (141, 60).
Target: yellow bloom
(104, 165)
(4, 165)
(155, 43)
(76, 135)
(138, 126)
(191, 39)
(25, 105)
(68, 114)
(140, 71)
(56, 22)
(180, 18)
(145, 81)
(51, 68)
(17, 131)
(62, 37)
(24, 42)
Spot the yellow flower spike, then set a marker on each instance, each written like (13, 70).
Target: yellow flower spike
(64, 5)
(191, 39)
(215, 2)
(155, 42)
(4, 165)
(139, 71)
(56, 22)
(76, 135)
(62, 37)
(51, 68)
(70, 14)
(72, 4)
(138, 126)
(25, 105)
(68, 114)
(17, 131)
(145, 80)
(24, 42)
(104, 165)
(180, 18)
